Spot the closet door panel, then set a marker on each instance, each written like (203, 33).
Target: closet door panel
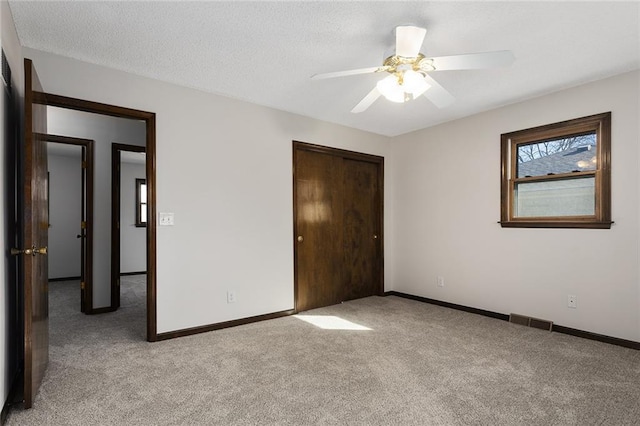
(319, 229)
(360, 221)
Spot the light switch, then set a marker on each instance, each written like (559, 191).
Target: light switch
(165, 219)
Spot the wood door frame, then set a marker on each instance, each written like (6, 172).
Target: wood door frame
(116, 173)
(88, 145)
(150, 123)
(352, 155)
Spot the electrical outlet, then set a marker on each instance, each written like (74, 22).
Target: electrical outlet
(440, 281)
(231, 297)
(165, 219)
(572, 301)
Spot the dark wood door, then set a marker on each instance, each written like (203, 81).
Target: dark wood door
(361, 226)
(35, 228)
(319, 230)
(338, 225)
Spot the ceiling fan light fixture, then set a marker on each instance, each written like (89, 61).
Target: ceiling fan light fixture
(409, 70)
(402, 86)
(414, 83)
(391, 89)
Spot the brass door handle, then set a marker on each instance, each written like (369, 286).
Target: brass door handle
(300, 238)
(29, 251)
(80, 236)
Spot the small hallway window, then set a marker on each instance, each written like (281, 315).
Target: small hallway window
(141, 202)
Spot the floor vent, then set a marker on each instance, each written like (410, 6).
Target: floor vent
(531, 322)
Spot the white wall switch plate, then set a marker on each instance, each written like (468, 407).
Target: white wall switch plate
(165, 219)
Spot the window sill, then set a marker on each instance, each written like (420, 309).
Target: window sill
(556, 224)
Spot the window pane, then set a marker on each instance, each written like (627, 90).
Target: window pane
(143, 213)
(143, 193)
(561, 155)
(566, 197)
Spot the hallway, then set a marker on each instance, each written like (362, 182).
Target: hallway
(68, 326)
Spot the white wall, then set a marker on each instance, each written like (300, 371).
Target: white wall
(104, 130)
(224, 167)
(447, 203)
(65, 204)
(133, 241)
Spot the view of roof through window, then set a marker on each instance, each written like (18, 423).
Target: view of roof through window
(564, 155)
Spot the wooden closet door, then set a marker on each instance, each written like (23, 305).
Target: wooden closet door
(361, 230)
(338, 225)
(319, 229)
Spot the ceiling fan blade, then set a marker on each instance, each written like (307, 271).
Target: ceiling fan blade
(409, 41)
(367, 101)
(437, 94)
(473, 61)
(347, 73)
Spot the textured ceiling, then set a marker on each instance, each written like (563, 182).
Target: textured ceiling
(265, 52)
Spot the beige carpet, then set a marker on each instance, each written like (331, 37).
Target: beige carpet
(417, 364)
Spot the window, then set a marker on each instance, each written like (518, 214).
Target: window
(141, 202)
(558, 176)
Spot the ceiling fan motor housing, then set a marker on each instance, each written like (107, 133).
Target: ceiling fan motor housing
(399, 64)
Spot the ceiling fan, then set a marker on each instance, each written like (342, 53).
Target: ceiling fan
(409, 70)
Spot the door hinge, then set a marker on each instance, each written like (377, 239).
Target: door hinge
(83, 225)
(82, 285)
(118, 225)
(84, 164)
(118, 283)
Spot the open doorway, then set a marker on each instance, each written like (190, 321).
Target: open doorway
(101, 300)
(101, 129)
(128, 223)
(70, 206)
